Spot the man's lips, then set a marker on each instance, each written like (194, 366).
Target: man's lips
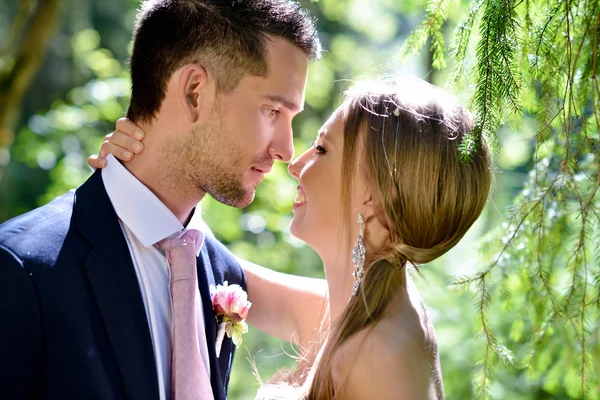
(263, 169)
(259, 171)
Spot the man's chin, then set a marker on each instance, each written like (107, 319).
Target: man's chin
(239, 200)
(245, 202)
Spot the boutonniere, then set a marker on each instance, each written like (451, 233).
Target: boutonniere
(230, 305)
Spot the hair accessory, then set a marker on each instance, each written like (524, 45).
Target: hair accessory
(397, 114)
(384, 147)
(393, 172)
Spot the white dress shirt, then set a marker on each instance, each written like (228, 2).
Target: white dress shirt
(145, 220)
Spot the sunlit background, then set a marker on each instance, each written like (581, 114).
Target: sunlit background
(83, 86)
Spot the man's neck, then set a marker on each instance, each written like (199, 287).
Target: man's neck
(172, 197)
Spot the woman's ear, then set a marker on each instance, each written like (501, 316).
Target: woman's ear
(196, 91)
(368, 207)
(378, 224)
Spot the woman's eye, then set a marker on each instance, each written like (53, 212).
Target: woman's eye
(320, 149)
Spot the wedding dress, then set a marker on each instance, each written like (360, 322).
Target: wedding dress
(270, 391)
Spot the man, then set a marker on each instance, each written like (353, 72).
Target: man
(86, 310)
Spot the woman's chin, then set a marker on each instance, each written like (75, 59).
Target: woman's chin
(311, 236)
(299, 231)
(294, 229)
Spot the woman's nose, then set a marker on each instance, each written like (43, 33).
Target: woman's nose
(294, 167)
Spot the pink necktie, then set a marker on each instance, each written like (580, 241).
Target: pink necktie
(189, 377)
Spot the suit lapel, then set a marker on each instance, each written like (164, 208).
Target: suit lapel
(116, 290)
(205, 279)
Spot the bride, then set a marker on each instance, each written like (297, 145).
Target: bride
(381, 190)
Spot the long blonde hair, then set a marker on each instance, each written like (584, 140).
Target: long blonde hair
(404, 138)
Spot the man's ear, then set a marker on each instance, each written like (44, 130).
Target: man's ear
(196, 91)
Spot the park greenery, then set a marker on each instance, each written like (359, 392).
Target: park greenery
(516, 305)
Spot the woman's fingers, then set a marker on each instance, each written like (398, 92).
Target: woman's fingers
(126, 126)
(118, 144)
(120, 152)
(121, 139)
(123, 143)
(96, 162)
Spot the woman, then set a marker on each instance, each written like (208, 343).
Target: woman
(381, 189)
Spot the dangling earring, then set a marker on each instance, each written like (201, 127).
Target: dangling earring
(358, 255)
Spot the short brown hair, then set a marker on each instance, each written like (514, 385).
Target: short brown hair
(227, 37)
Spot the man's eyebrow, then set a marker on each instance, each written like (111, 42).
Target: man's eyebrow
(290, 105)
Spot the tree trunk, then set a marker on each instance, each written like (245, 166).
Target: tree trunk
(28, 58)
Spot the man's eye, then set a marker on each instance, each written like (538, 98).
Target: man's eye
(271, 112)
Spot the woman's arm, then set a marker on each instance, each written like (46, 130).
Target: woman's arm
(287, 306)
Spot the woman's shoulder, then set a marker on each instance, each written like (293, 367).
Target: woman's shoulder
(387, 344)
(394, 359)
(405, 328)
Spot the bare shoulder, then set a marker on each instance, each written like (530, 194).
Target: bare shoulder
(392, 360)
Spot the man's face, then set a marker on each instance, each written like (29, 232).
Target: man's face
(248, 129)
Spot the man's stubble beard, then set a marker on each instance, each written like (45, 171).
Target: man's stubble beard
(200, 162)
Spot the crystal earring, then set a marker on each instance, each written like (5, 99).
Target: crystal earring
(358, 255)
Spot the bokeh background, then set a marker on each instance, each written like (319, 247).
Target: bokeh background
(82, 87)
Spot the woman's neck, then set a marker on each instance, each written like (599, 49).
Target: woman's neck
(339, 266)
(340, 283)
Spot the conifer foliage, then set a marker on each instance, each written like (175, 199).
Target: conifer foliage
(535, 59)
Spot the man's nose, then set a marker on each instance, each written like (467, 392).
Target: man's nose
(282, 147)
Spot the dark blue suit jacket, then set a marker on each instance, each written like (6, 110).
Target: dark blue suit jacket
(72, 318)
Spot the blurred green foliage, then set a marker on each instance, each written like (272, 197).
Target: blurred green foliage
(83, 88)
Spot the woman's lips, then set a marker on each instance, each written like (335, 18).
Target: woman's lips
(300, 198)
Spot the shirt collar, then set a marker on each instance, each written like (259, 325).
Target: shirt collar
(144, 214)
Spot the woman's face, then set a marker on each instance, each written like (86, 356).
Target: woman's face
(317, 205)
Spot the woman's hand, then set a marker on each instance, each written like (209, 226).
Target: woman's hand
(123, 143)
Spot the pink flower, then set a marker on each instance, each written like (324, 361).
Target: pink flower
(230, 301)
(231, 305)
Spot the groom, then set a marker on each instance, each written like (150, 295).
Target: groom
(85, 306)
